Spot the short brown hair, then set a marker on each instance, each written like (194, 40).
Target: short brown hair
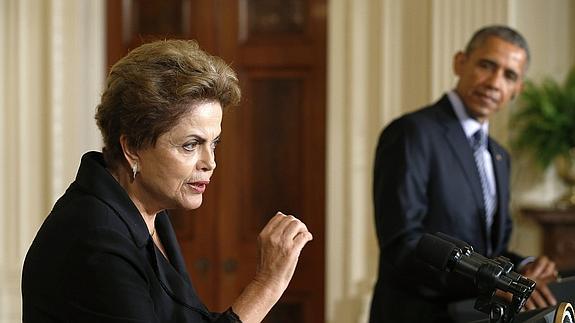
(153, 86)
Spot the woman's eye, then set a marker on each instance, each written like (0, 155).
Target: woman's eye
(215, 144)
(190, 146)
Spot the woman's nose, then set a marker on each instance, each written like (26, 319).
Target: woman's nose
(207, 160)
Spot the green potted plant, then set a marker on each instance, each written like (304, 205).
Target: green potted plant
(544, 125)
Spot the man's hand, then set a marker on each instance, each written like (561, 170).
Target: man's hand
(542, 271)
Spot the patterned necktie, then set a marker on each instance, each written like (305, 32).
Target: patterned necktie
(479, 145)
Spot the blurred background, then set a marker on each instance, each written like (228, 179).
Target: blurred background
(320, 79)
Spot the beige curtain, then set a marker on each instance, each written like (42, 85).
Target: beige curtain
(51, 73)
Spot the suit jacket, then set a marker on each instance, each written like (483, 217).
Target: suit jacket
(425, 181)
(93, 260)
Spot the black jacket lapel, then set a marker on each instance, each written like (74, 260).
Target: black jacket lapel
(501, 179)
(173, 274)
(457, 141)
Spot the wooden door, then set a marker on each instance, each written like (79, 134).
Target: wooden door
(272, 155)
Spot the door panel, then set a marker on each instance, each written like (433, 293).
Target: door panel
(278, 48)
(274, 145)
(272, 154)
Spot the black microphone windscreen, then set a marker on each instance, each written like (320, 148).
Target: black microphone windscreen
(458, 243)
(435, 251)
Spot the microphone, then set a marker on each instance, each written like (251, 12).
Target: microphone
(446, 253)
(479, 259)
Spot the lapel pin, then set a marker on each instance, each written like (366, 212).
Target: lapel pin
(498, 157)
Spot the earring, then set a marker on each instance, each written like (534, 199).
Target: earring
(134, 171)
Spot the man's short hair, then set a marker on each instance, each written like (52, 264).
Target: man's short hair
(504, 32)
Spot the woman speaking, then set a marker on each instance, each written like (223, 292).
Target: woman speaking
(107, 251)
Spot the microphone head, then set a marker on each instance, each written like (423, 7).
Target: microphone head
(437, 252)
(458, 243)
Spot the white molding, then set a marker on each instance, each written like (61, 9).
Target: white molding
(361, 83)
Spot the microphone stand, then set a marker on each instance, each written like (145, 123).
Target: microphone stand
(486, 302)
(497, 309)
(489, 275)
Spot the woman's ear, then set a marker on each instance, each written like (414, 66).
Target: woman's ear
(129, 153)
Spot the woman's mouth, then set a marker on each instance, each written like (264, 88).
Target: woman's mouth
(199, 186)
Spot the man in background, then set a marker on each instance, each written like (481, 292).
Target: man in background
(437, 169)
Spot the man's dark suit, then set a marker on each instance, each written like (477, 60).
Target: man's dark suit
(93, 260)
(425, 180)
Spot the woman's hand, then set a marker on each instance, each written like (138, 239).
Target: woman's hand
(280, 244)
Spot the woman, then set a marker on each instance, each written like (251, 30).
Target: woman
(107, 252)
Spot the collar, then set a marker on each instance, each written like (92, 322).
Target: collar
(469, 125)
(94, 179)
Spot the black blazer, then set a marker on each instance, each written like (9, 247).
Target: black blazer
(425, 180)
(93, 260)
